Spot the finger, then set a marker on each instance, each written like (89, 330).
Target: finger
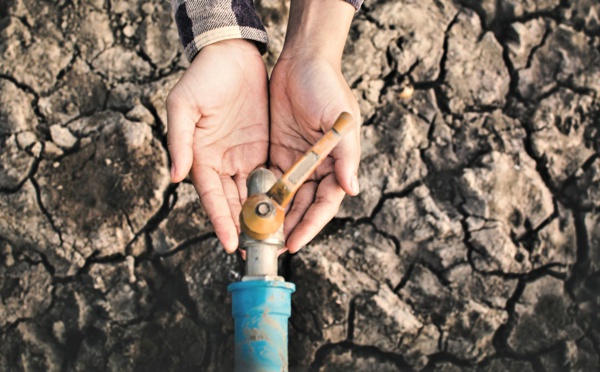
(208, 185)
(181, 123)
(276, 170)
(327, 202)
(302, 201)
(240, 182)
(233, 200)
(346, 157)
(281, 251)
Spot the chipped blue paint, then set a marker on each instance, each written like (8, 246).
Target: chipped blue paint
(261, 310)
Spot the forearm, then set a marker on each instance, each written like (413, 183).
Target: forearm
(318, 29)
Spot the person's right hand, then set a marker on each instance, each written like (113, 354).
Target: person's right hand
(307, 96)
(308, 93)
(218, 128)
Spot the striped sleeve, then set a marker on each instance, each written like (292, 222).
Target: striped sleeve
(355, 3)
(204, 22)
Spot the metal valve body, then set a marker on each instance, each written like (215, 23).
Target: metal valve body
(262, 301)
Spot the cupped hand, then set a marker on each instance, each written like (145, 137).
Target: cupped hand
(218, 129)
(306, 96)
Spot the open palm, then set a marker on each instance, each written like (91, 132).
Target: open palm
(306, 99)
(218, 129)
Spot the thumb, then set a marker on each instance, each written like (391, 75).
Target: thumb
(180, 135)
(346, 157)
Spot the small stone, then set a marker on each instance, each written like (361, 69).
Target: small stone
(58, 330)
(128, 31)
(51, 151)
(130, 261)
(36, 149)
(26, 139)
(148, 8)
(9, 260)
(140, 113)
(85, 141)
(406, 92)
(62, 136)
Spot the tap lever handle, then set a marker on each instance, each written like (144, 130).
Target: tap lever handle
(284, 189)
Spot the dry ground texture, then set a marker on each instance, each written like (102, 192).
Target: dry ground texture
(475, 244)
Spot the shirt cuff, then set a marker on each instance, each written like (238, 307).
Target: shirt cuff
(355, 3)
(204, 22)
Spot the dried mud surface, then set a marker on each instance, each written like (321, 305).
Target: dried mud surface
(474, 245)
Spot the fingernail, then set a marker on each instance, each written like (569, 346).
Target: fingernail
(172, 172)
(354, 185)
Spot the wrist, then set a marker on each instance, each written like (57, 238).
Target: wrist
(317, 30)
(237, 45)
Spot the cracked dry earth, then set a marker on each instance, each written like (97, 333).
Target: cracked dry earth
(474, 246)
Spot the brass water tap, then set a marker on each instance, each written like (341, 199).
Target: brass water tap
(263, 213)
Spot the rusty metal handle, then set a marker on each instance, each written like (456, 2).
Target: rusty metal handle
(284, 189)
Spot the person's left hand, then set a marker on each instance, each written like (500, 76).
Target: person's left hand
(218, 123)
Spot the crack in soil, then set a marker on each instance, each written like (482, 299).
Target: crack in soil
(176, 289)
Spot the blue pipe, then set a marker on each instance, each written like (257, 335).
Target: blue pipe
(261, 309)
